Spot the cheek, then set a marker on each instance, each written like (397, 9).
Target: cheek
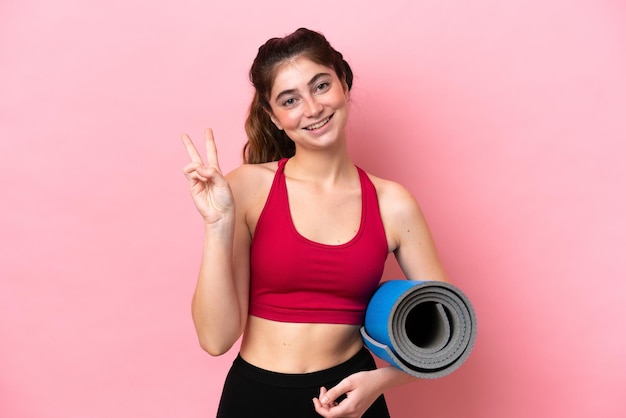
(342, 98)
(287, 119)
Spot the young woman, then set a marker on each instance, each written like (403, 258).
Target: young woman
(295, 244)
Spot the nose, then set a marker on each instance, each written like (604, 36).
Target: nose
(312, 108)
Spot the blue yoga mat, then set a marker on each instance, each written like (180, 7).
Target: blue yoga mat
(425, 328)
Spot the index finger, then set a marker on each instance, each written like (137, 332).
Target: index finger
(211, 149)
(193, 153)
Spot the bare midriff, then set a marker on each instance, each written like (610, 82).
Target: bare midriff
(287, 347)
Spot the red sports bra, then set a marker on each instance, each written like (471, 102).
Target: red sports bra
(294, 279)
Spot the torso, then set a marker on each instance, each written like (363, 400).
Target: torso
(303, 347)
(298, 347)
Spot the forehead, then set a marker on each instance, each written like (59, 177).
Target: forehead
(296, 73)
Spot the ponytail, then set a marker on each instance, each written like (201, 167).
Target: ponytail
(265, 141)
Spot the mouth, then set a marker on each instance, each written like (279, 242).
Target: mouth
(318, 124)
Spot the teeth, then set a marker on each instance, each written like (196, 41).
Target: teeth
(318, 125)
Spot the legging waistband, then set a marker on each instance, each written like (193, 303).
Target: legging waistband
(362, 360)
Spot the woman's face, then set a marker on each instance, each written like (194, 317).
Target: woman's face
(310, 103)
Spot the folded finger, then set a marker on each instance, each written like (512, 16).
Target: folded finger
(191, 167)
(197, 177)
(320, 409)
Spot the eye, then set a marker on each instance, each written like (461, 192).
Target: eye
(289, 102)
(323, 86)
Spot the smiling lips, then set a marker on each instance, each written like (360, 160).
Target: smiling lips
(318, 124)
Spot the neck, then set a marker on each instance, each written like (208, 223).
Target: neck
(327, 166)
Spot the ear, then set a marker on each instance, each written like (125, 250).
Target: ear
(346, 90)
(274, 120)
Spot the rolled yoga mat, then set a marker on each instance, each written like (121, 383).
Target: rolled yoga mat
(425, 328)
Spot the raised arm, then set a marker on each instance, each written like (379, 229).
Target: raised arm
(220, 300)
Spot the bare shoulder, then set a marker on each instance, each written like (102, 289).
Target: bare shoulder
(393, 198)
(251, 182)
(401, 214)
(250, 173)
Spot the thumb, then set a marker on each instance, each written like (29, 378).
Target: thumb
(322, 396)
(331, 395)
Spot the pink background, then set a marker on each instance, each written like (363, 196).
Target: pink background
(507, 120)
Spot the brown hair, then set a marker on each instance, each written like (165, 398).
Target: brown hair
(265, 141)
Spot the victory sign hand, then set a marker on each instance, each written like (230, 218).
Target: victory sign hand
(209, 189)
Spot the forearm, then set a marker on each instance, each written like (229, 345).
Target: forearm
(361, 389)
(216, 308)
(390, 377)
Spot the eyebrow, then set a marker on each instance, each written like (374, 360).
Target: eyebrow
(311, 82)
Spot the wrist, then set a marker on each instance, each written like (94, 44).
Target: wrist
(224, 225)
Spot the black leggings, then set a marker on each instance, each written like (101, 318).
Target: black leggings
(253, 392)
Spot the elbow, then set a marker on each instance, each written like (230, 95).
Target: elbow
(216, 338)
(214, 348)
